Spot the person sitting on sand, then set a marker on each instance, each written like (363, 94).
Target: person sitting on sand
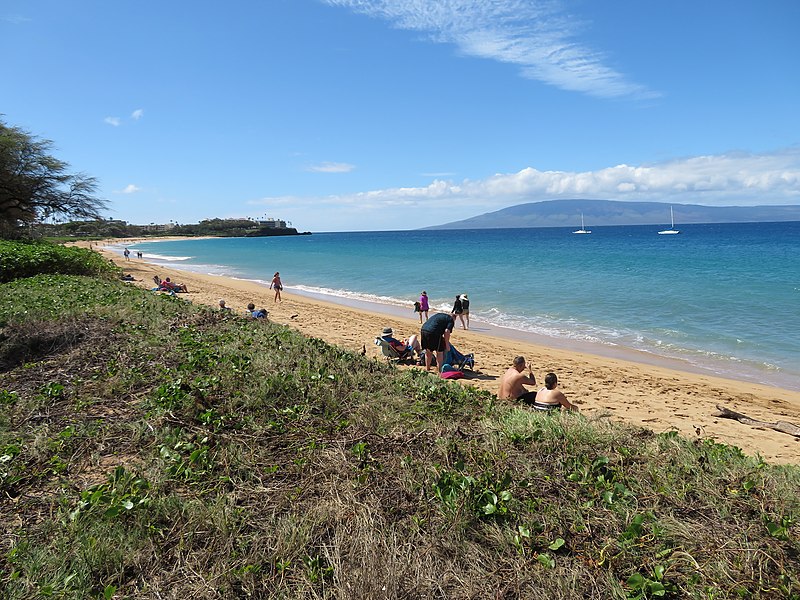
(178, 287)
(223, 306)
(550, 397)
(251, 311)
(512, 383)
(409, 345)
(161, 286)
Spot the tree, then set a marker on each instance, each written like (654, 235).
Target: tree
(35, 186)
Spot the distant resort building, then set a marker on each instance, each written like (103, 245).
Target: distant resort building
(277, 223)
(157, 227)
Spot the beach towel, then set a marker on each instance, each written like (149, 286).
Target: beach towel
(452, 374)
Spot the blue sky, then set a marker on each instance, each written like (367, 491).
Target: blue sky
(343, 115)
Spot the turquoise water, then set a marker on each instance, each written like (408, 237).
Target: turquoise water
(723, 298)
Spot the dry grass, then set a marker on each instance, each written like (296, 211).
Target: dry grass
(158, 450)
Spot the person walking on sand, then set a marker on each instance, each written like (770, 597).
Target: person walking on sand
(277, 286)
(550, 397)
(512, 383)
(458, 310)
(423, 305)
(435, 336)
(127, 254)
(465, 309)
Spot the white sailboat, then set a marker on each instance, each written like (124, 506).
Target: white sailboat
(582, 229)
(671, 230)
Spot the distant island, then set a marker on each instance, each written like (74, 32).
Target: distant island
(237, 228)
(596, 213)
(244, 227)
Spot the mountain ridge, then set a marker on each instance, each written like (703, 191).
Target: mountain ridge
(567, 213)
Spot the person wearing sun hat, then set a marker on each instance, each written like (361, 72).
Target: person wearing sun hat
(465, 309)
(410, 344)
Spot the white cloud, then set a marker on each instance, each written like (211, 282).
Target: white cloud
(331, 167)
(732, 179)
(137, 114)
(115, 121)
(535, 35)
(129, 189)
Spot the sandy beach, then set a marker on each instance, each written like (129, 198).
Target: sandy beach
(654, 397)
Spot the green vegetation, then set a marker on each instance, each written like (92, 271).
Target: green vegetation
(25, 259)
(35, 186)
(99, 229)
(152, 448)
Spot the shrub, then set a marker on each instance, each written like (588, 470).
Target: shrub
(26, 259)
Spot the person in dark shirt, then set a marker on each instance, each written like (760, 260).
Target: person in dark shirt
(458, 309)
(435, 337)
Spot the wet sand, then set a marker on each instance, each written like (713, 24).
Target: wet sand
(646, 395)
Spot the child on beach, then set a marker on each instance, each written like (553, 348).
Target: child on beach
(261, 313)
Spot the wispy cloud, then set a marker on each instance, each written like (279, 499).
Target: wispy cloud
(15, 19)
(536, 35)
(137, 114)
(331, 167)
(115, 121)
(732, 179)
(129, 189)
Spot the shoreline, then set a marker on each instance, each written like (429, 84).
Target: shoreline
(661, 397)
(685, 360)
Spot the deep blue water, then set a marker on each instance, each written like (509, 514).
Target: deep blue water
(725, 297)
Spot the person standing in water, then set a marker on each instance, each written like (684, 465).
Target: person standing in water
(277, 286)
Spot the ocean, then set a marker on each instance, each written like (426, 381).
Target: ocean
(722, 299)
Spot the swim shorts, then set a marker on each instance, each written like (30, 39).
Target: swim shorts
(432, 342)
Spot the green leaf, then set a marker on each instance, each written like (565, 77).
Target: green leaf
(636, 581)
(557, 543)
(656, 589)
(546, 560)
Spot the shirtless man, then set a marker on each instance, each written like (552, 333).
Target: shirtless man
(550, 397)
(512, 382)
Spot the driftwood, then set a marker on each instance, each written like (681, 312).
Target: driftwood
(782, 426)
